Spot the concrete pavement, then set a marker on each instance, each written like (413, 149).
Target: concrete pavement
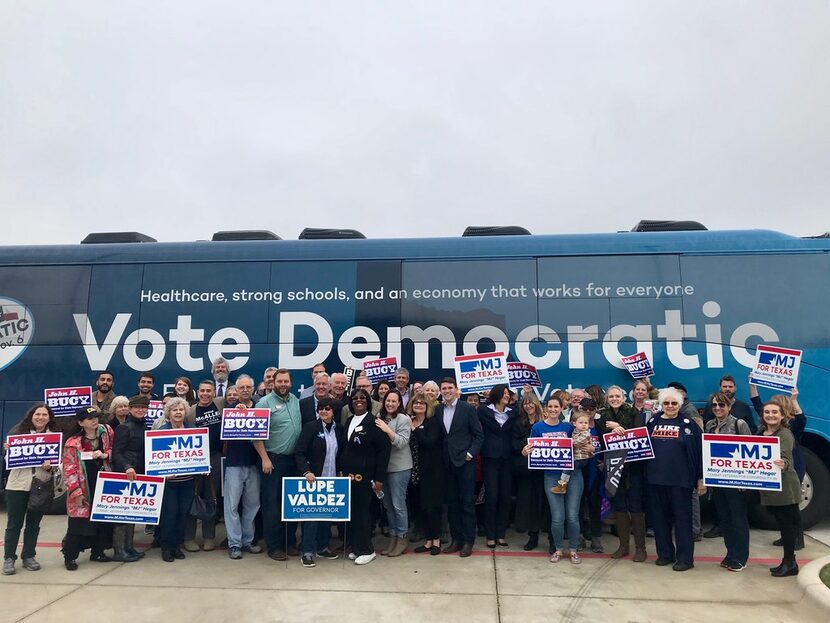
(511, 585)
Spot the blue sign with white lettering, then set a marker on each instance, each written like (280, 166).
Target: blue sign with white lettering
(325, 499)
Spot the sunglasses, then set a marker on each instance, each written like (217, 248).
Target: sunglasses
(670, 404)
(718, 405)
(326, 409)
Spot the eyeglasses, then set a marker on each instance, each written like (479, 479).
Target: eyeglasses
(718, 405)
(670, 404)
(419, 402)
(359, 399)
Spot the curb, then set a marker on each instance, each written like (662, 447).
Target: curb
(817, 593)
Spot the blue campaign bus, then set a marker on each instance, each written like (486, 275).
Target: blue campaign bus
(697, 302)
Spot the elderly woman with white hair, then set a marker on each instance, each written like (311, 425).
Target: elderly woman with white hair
(431, 389)
(178, 490)
(671, 476)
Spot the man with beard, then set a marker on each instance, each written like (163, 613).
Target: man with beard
(102, 398)
(146, 382)
(739, 408)
(220, 376)
(277, 454)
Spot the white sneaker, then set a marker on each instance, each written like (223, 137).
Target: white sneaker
(365, 559)
(352, 555)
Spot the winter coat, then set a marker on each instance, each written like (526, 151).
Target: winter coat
(78, 495)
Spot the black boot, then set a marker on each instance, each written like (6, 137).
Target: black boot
(786, 568)
(532, 541)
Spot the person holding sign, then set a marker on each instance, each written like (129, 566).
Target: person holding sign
(318, 449)
(675, 472)
(783, 504)
(178, 491)
(627, 503)
(561, 506)
(128, 458)
(87, 452)
(730, 504)
(796, 421)
(530, 500)
(38, 419)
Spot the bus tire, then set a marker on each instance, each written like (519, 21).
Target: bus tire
(816, 502)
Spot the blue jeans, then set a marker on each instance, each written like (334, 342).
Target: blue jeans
(273, 527)
(564, 507)
(241, 484)
(395, 501)
(316, 536)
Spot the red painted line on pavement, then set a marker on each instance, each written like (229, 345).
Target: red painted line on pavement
(509, 554)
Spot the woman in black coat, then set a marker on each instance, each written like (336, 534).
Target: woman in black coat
(531, 504)
(318, 450)
(427, 444)
(497, 419)
(365, 459)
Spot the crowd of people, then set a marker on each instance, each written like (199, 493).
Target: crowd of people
(411, 450)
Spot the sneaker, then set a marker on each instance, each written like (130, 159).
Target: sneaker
(209, 545)
(352, 556)
(328, 554)
(575, 559)
(70, 565)
(725, 563)
(8, 566)
(234, 553)
(560, 489)
(682, 566)
(365, 559)
(736, 567)
(191, 546)
(31, 564)
(277, 555)
(252, 549)
(308, 561)
(555, 556)
(596, 546)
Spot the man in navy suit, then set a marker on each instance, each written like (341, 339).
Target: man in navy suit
(462, 441)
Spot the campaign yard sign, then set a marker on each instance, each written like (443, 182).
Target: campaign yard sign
(635, 441)
(154, 411)
(66, 401)
(741, 462)
(638, 366)
(550, 453)
(381, 369)
(119, 500)
(326, 499)
(476, 373)
(776, 368)
(32, 450)
(522, 374)
(172, 452)
(245, 424)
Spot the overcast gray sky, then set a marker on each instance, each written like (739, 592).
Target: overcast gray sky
(179, 119)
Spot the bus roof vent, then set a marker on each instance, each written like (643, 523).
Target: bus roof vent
(316, 233)
(119, 237)
(508, 230)
(669, 226)
(245, 234)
